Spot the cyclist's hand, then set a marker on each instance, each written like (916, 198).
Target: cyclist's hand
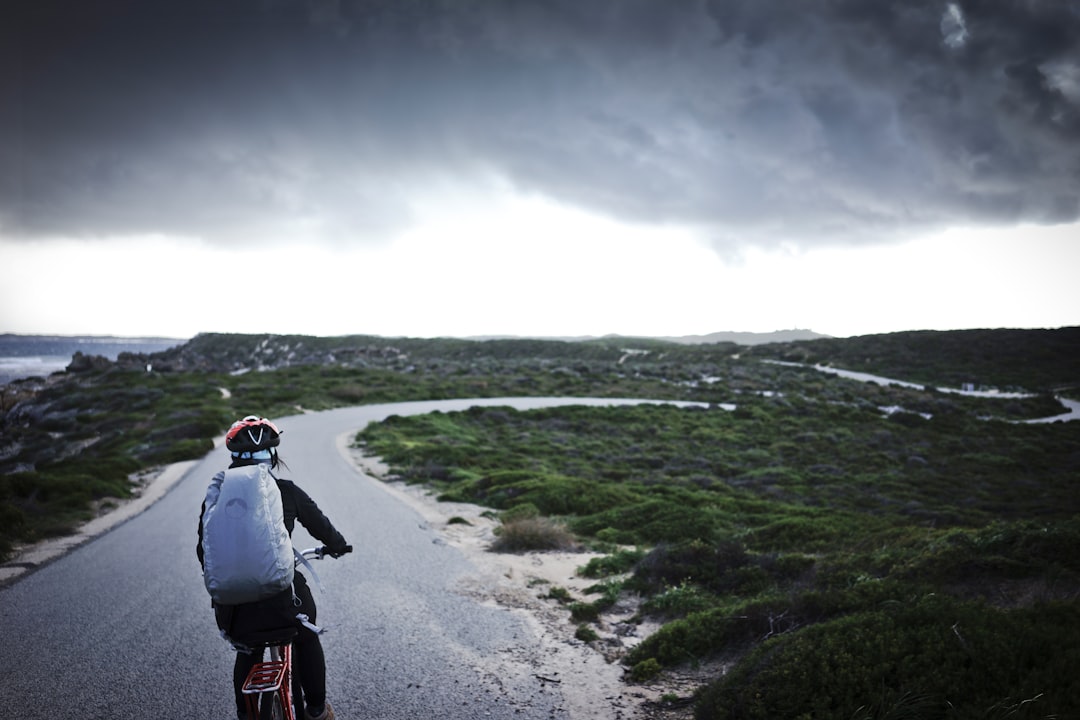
(337, 552)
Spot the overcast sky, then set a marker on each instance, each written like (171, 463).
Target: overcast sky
(538, 167)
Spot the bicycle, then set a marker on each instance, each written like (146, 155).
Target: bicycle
(268, 688)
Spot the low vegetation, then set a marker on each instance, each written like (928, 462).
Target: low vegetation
(71, 440)
(1033, 360)
(531, 532)
(850, 550)
(72, 444)
(847, 561)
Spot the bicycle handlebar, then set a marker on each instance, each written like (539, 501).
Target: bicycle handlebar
(319, 552)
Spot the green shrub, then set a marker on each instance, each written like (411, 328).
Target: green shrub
(788, 566)
(581, 611)
(524, 511)
(612, 537)
(680, 601)
(735, 623)
(689, 639)
(1002, 549)
(806, 532)
(618, 562)
(721, 567)
(584, 633)
(947, 658)
(550, 494)
(645, 670)
(650, 522)
(585, 612)
(561, 594)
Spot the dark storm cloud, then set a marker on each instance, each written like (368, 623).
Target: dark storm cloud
(756, 120)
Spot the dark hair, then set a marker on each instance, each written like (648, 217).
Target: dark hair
(275, 460)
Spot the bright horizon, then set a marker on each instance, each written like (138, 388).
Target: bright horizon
(622, 285)
(543, 169)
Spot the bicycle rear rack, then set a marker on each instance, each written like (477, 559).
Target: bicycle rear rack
(270, 676)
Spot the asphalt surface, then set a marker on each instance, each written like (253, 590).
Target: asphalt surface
(121, 626)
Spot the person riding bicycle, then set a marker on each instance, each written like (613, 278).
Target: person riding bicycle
(254, 440)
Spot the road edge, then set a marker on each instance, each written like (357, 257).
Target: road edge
(27, 559)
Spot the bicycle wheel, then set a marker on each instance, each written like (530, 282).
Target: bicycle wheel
(270, 707)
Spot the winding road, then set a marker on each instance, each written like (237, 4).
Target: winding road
(121, 626)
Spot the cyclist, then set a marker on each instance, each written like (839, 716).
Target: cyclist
(254, 440)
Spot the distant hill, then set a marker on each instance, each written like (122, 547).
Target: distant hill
(747, 338)
(739, 338)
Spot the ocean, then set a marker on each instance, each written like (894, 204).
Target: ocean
(23, 356)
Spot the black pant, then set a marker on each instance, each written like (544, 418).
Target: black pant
(309, 664)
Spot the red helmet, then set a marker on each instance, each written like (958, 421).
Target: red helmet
(251, 435)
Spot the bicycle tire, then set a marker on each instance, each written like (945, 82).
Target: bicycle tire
(270, 707)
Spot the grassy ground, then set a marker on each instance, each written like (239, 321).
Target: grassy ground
(861, 564)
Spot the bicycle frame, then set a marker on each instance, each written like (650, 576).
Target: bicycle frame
(269, 683)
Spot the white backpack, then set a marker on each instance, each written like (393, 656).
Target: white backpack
(247, 552)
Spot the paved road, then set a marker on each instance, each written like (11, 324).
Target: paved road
(121, 626)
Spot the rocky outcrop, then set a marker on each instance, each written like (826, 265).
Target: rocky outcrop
(86, 363)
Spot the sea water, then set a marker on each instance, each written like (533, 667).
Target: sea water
(23, 356)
